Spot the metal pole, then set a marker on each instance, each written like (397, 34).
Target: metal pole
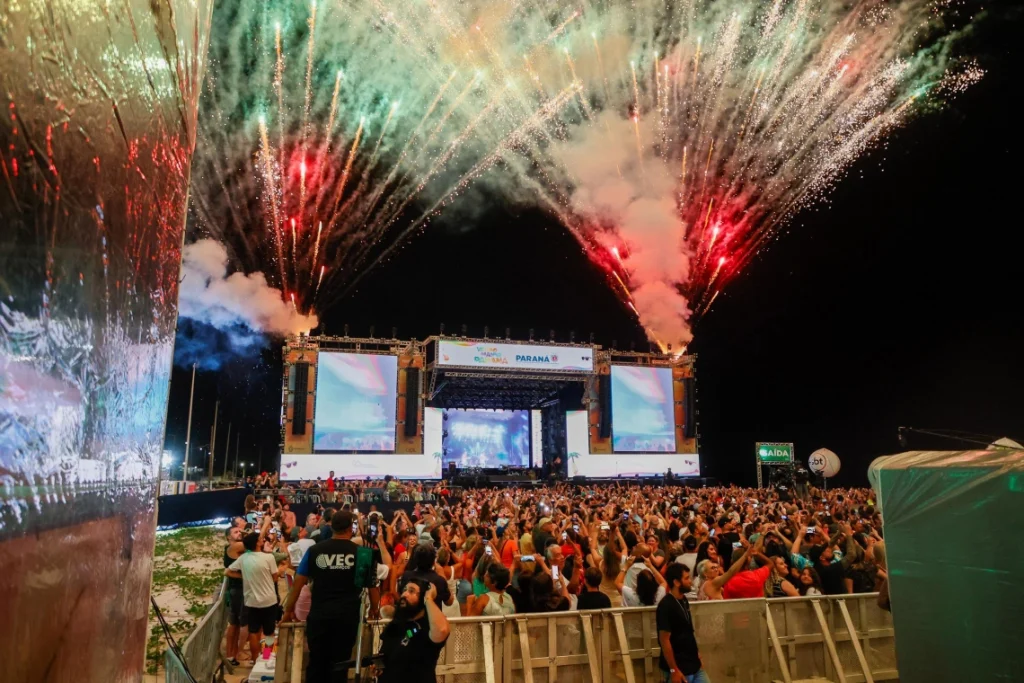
(188, 433)
(238, 440)
(364, 608)
(227, 452)
(213, 439)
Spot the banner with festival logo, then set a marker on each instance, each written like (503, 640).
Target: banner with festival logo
(491, 355)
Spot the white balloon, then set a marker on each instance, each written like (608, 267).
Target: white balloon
(832, 468)
(823, 462)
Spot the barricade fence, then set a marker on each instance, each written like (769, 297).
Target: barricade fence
(847, 639)
(201, 650)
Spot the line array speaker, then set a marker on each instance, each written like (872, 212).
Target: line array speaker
(604, 402)
(689, 408)
(412, 400)
(300, 371)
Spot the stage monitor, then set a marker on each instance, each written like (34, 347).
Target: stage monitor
(583, 463)
(486, 438)
(356, 402)
(642, 410)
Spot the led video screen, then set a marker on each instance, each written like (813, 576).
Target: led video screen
(356, 402)
(642, 411)
(486, 438)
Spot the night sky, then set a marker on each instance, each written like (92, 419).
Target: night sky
(897, 303)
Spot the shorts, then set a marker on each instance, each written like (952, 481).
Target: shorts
(238, 613)
(465, 590)
(262, 619)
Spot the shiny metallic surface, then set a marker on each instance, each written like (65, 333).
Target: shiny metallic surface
(97, 131)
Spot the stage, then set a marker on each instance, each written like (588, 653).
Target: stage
(365, 408)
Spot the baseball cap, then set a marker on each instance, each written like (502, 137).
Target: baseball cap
(543, 521)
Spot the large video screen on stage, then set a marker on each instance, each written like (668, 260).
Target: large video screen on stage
(486, 438)
(642, 411)
(356, 402)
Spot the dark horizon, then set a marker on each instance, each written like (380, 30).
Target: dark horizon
(891, 304)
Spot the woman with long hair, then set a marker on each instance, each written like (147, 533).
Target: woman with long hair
(713, 578)
(809, 582)
(495, 602)
(777, 585)
(650, 585)
(447, 571)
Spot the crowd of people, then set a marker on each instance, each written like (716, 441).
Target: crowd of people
(331, 489)
(542, 549)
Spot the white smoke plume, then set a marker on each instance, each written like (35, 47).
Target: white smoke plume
(634, 202)
(209, 295)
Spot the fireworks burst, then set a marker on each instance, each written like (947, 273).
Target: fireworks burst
(673, 139)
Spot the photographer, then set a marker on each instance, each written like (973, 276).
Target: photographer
(411, 642)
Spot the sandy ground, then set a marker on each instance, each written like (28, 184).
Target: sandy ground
(185, 561)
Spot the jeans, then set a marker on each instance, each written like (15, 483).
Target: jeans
(699, 677)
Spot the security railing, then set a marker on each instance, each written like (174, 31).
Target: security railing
(201, 650)
(847, 639)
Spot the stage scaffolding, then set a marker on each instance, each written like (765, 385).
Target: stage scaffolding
(430, 383)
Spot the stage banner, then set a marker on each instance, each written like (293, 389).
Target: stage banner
(490, 355)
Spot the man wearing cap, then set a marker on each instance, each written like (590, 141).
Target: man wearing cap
(543, 534)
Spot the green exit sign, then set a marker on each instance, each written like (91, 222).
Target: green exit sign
(775, 452)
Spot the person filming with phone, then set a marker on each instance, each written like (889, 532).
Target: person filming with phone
(411, 642)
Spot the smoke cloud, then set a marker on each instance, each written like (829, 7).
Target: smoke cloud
(230, 315)
(634, 204)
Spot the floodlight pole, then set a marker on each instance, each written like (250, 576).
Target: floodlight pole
(188, 432)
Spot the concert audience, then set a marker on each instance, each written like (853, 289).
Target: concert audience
(563, 547)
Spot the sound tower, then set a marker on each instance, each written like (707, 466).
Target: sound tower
(689, 408)
(412, 399)
(300, 371)
(604, 402)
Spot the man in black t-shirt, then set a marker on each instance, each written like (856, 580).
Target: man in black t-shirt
(412, 641)
(421, 568)
(333, 622)
(680, 660)
(592, 597)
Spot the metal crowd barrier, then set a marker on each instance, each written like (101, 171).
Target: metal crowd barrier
(202, 648)
(846, 639)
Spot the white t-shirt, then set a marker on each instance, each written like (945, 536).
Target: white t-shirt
(688, 559)
(258, 571)
(631, 599)
(633, 572)
(297, 549)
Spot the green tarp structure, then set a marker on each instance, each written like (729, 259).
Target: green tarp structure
(954, 537)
